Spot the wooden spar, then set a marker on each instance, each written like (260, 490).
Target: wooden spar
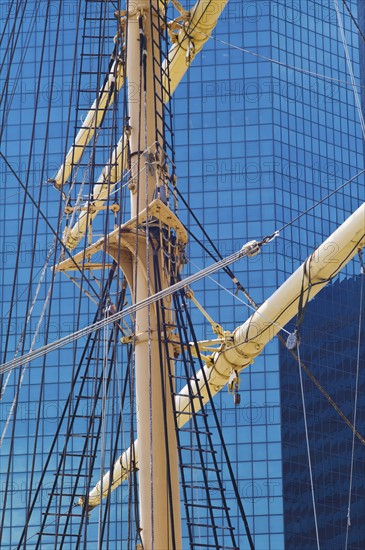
(191, 37)
(249, 339)
(195, 31)
(91, 123)
(159, 491)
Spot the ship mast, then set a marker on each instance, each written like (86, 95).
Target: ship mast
(159, 495)
(137, 248)
(238, 350)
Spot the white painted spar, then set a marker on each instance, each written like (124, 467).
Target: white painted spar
(91, 123)
(109, 177)
(249, 339)
(194, 33)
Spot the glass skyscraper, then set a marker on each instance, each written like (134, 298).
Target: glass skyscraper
(265, 125)
(329, 349)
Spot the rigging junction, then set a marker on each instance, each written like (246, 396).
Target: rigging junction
(150, 251)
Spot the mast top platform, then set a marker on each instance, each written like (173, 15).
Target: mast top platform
(156, 209)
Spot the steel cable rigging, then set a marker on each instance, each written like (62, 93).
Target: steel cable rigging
(17, 262)
(60, 242)
(130, 310)
(24, 50)
(254, 306)
(49, 295)
(5, 91)
(226, 268)
(65, 416)
(93, 11)
(37, 205)
(350, 68)
(282, 64)
(361, 307)
(293, 343)
(354, 20)
(251, 247)
(5, 24)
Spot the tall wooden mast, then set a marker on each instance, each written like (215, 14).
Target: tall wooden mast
(138, 250)
(133, 247)
(239, 349)
(158, 461)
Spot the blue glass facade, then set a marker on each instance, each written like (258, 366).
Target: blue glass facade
(329, 347)
(257, 142)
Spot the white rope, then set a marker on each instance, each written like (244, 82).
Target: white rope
(44, 269)
(103, 427)
(307, 444)
(39, 324)
(43, 272)
(111, 193)
(350, 69)
(255, 310)
(30, 312)
(149, 333)
(40, 321)
(280, 63)
(348, 525)
(361, 118)
(40, 352)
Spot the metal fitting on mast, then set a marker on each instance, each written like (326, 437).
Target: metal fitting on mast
(250, 249)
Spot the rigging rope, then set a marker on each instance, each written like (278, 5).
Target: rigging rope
(275, 234)
(19, 240)
(104, 401)
(362, 123)
(12, 41)
(166, 372)
(130, 310)
(294, 342)
(281, 63)
(247, 250)
(100, 17)
(307, 445)
(39, 324)
(8, 19)
(362, 275)
(50, 252)
(219, 428)
(12, 44)
(338, 268)
(354, 20)
(33, 203)
(252, 307)
(93, 428)
(33, 18)
(95, 291)
(43, 273)
(297, 218)
(121, 300)
(349, 66)
(255, 307)
(317, 203)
